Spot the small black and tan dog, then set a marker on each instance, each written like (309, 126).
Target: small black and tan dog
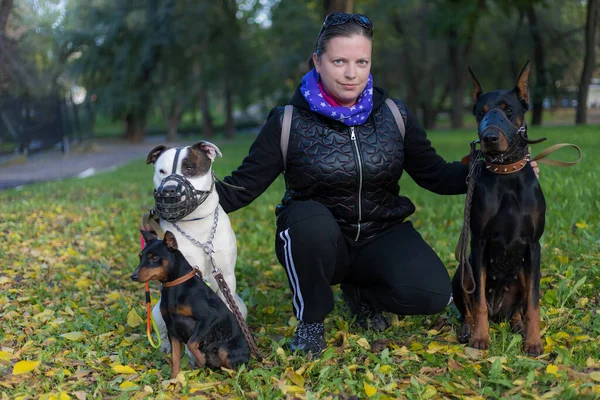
(193, 313)
(507, 221)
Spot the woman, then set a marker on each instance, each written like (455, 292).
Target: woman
(342, 220)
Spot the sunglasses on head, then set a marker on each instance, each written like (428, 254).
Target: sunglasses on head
(340, 18)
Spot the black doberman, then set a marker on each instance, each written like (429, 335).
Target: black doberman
(507, 220)
(193, 313)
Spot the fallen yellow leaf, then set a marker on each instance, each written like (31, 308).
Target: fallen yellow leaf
(429, 392)
(364, 343)
(552, 369)
(133, 319)
(370, 390)
(385, 369)
(268, 310)
(595, 376)
(123, 369)
(74, 336)
(113, 296)
(83, 283)
(294, 377)
(127, 385)
(474, 353)
(5, 356)
(24, 366)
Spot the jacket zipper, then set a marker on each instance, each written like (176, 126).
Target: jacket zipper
(360, 180)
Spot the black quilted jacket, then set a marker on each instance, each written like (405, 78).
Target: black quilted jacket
(352, 171)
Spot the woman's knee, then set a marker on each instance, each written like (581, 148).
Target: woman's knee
(421, 301)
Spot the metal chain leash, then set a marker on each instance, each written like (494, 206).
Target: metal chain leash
(209, 250)
(207, 246)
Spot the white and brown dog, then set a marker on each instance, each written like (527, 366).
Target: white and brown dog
(188, 206)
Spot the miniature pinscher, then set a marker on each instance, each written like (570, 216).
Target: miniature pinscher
(193, 313)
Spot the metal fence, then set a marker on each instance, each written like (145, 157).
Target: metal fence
(30, 124)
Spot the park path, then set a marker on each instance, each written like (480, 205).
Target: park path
(53, 164)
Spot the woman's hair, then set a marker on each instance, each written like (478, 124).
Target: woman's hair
(348, 29)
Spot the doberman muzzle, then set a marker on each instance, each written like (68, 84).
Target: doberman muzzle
(176, 197)
(494, 124)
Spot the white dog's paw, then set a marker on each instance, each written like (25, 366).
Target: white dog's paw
(191, 357)
(165, 345)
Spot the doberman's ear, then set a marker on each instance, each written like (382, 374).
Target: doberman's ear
(155, 153)
(170, 241)
(477, 89)
(211, 150)
(522, 87)
(148, 236)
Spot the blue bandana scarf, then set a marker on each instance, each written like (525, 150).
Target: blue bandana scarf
(355, 115)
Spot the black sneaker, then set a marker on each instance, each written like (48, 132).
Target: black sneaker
(309, 338)
(367, 315)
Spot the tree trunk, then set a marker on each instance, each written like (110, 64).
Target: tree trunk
(539, 90)
(512, 42)
(135, 126)
(172, 125)
(173, 120)
(459, 52)
(330, 6)
(5, 7)
(229, 123)
(135, 121)
(408, 51)
(456, 81)
(208, 130)
(91, 117)
(589, 63)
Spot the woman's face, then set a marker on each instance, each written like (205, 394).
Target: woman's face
(344, 67)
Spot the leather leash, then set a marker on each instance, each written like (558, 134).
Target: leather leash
(557, 163)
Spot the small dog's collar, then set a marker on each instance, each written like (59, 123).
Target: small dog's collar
(180, 280)
(503, 169)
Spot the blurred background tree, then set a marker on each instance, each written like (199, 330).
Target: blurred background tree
(139, 67)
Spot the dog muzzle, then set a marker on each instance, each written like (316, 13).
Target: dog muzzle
(176, 197)
(495, 123)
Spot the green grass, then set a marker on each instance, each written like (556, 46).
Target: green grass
(69, 247)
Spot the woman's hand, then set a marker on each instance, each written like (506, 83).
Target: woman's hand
(536, 168)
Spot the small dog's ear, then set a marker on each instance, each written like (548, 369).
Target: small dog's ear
(477, 89)
(170, 241)
(148, 236)
(155, 153)
(209, 148)
(522, 87)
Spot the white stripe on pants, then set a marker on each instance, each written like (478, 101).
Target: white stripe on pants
(291, 271)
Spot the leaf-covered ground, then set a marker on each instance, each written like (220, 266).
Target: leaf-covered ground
(73, 322)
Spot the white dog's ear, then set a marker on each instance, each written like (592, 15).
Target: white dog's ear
(155, 153)
(210, 149)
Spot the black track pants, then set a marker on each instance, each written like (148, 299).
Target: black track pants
(397, 271)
